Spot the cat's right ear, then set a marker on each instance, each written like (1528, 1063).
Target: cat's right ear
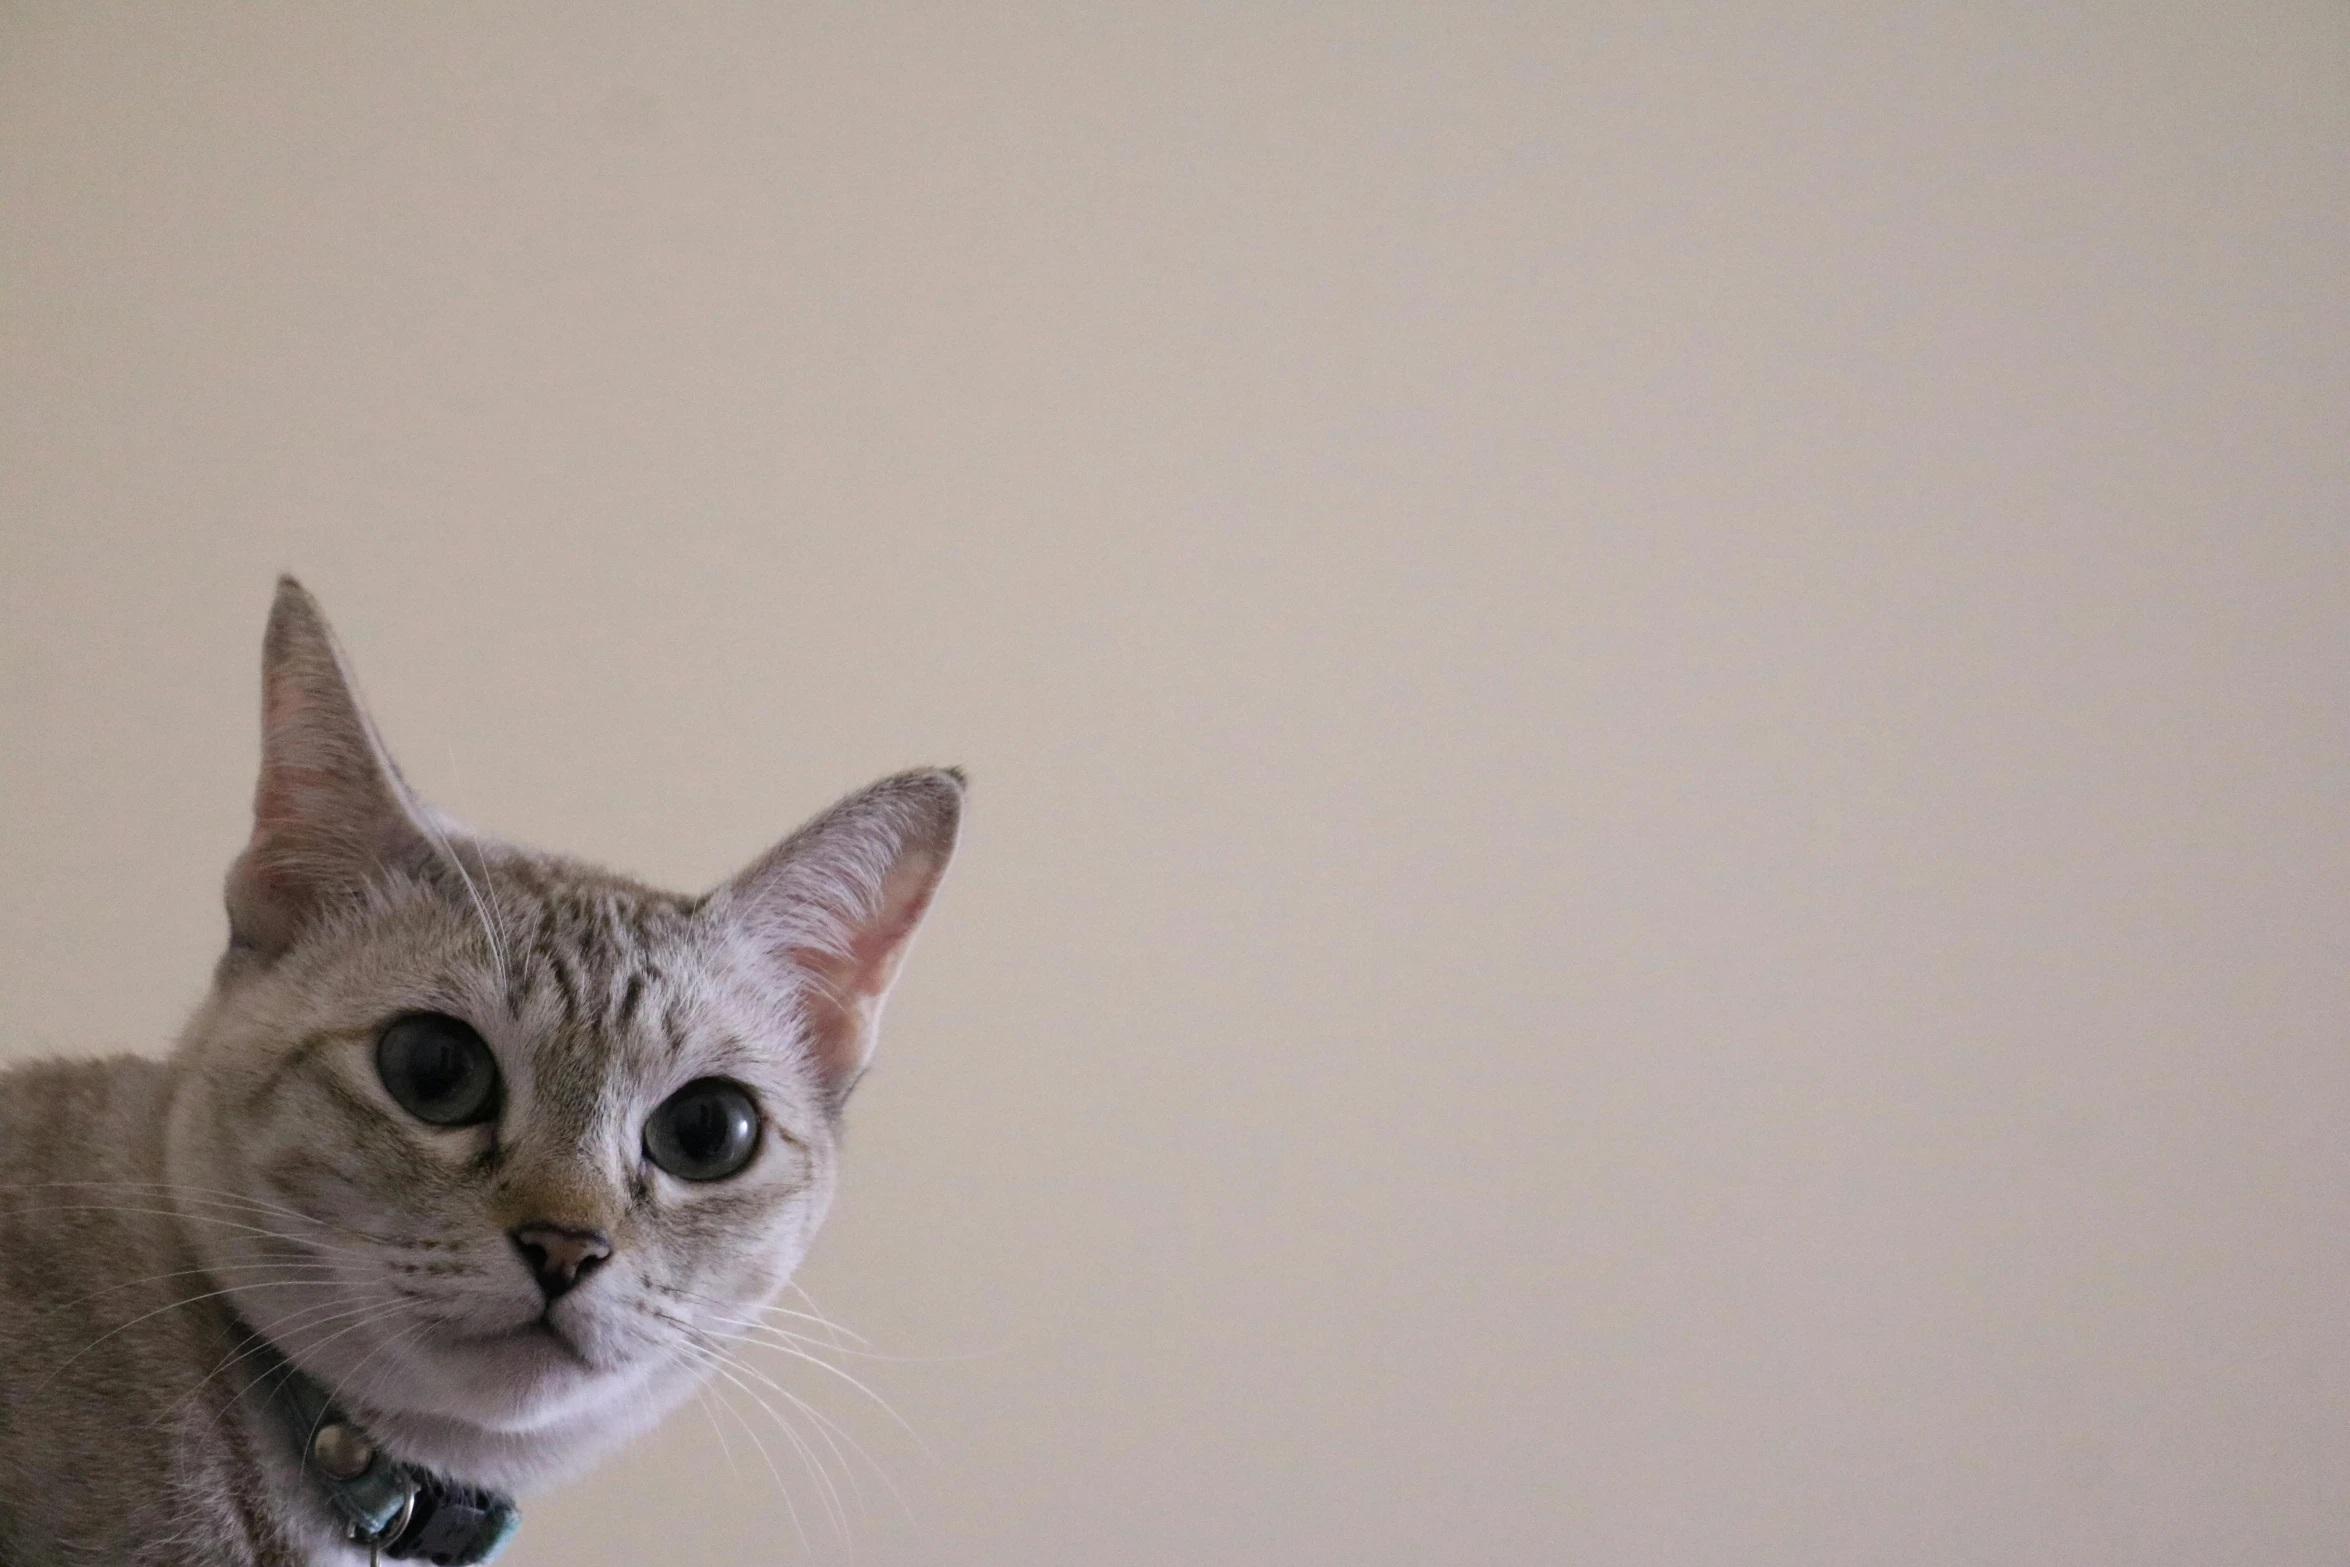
(330, 813)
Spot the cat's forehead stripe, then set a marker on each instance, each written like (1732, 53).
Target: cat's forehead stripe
(565, 987)
(587, 942)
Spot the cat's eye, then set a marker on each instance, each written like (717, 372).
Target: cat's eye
(438, 1069)
(706, 1131)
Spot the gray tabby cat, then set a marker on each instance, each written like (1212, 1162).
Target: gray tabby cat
(459, 1177)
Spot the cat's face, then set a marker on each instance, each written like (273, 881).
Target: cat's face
(505, 1150)
(378, 1246)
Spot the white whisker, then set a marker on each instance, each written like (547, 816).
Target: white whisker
(190, 1218)
(829, 1428)
(326, 1268)
(782, 1489)
(726, 1448)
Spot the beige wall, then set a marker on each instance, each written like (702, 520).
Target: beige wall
(1659, 871)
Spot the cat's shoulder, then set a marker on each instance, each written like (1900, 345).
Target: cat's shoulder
(57, 1107)
(86, 1078)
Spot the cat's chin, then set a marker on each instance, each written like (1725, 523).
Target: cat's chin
(520, 1406)
(555, 1446)
(538, 1337)
(519, 1377)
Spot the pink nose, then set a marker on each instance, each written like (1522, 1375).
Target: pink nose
(559, 1255)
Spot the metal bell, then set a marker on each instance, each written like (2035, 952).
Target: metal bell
(339, 1452)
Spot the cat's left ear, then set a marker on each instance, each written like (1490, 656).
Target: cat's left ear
(832, 909)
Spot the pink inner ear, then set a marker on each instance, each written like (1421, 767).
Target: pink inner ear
(832, 909)
(850, 978)
(329, 812)
(292, 798)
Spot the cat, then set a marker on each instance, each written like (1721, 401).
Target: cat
(468, 1168)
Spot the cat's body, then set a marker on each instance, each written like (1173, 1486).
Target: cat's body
(118, 1443)
(495, 1152)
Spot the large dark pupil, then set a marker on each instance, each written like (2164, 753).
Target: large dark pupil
(705, 1127)
(438, 1066)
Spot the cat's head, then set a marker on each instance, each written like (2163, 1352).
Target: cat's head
(504, 1149)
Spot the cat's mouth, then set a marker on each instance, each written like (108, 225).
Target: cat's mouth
(540, 1334)
(545, 1331)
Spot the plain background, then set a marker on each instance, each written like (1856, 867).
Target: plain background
(1658, 698)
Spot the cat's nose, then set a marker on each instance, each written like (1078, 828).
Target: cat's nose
(559, 1255)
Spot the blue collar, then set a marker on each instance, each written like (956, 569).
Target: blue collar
(393, 1509)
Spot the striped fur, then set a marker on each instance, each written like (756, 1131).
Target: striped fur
(264, 1175)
